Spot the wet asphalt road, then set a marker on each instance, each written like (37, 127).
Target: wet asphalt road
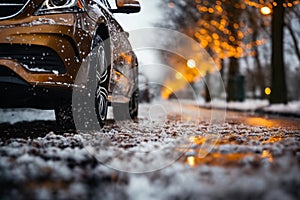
(40, 127)
(252, 157)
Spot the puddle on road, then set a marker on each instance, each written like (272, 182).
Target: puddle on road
(269, 122)
(231, 151)
(230, 159)
(219, 159)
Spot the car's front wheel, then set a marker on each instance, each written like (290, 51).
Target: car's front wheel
(64, 115)
(86, 105)
(102, 79)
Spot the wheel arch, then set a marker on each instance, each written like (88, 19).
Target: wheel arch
(102, 30)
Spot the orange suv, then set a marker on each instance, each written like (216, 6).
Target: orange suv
(43, 45)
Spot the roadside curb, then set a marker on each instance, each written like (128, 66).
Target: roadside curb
(262, 111)
(258, 111)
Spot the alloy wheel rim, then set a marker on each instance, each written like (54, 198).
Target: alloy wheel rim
(101, 93)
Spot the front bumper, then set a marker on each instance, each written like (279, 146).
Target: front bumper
(59, 33)
(31, 96)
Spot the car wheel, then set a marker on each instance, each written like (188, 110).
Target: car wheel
(101, 101)
(102, 77)
(134, 105)
(97, 84)
(127, 111)
(64, 115)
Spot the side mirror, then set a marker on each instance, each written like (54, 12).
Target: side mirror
(127, 6)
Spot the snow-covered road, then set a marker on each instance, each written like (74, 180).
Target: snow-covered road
(171, 152)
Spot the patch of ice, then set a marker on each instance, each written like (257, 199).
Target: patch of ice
(25, 114)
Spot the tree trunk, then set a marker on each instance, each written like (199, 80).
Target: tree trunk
(232, 74)
(207, 93)
(279, 90)
(233, 71)
(260, 77)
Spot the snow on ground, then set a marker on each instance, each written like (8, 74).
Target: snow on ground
(252, 105)
(292, 107)
(247, 105)
(245, 162)
(25, 114)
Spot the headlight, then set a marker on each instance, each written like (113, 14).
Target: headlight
(59, 3)
(60, 6)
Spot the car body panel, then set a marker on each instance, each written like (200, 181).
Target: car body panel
(68, 37)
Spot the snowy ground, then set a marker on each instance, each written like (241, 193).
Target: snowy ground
(18, 115)
(167, 152)
(254, 105)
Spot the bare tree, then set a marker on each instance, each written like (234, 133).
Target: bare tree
(279, 90)
(292, 23)
(233, 29)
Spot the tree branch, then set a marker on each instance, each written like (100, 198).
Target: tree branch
(294, 38)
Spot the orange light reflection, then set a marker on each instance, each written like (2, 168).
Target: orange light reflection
(267, 154)
(191, 161)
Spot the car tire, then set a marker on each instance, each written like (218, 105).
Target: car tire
(134, 104)
(97, 84)
(127, 111)
(101, 101)
(101, 94)
(64, 116)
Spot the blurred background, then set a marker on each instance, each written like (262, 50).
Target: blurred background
(254, 43)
